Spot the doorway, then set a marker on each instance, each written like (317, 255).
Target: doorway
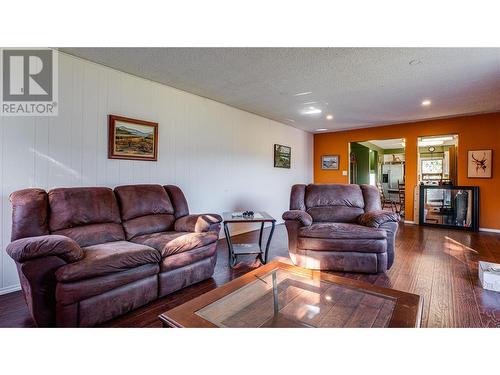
(380, 163)
(437, 160)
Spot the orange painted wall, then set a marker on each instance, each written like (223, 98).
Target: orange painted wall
(474, 132)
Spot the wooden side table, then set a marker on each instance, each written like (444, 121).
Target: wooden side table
(248, 249)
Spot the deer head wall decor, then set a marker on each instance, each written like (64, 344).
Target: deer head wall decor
(480, 164)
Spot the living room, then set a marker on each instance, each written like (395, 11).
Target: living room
(222, 184)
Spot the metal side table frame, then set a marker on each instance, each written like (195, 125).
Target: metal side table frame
(248, 249)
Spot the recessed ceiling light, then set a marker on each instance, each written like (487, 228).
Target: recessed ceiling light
(321, 129)
(415, 62)
(303, 93)
(426, 102)
(329, 117)
(311, 111)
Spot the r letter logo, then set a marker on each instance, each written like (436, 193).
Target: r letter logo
(29, 82)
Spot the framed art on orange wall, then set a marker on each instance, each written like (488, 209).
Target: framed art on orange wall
(479, 163)
(330, 162)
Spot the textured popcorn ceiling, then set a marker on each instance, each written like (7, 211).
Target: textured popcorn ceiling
(360, 87)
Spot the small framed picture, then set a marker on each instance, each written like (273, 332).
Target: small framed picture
(330, 162)
(132, 139)
(282, 156)
(479, 163)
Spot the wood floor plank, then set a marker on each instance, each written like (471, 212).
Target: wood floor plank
(439, 264)
(423, 282)
(441, 310)
(466, 311)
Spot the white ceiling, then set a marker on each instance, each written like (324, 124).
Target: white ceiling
(388, 143)
(360, 87)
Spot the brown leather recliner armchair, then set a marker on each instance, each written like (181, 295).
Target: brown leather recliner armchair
(87, 255)
(340, 228)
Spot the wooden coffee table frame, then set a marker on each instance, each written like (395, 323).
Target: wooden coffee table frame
(407, 311)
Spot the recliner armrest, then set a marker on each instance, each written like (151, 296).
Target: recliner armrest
(43, 246)
(198, 223)
(301, 216)
(376, 218)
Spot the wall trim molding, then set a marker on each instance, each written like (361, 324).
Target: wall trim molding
(491, 230)
(410, 222)
(10, 289)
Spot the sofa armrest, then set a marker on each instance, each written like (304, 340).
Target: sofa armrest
(297, 215)
(198, 223)
(30, 248)
(38, 259)
(376, 218)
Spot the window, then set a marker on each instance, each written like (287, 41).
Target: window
(432, 166)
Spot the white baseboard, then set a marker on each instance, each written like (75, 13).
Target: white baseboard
(489, 230)
(409, 222)
(10, 289)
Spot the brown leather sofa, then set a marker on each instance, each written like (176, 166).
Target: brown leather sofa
(87, 255)
(340, 228)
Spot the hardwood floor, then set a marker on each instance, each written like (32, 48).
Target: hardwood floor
(439, 264)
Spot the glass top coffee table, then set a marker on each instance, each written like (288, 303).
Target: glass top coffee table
(282, 295)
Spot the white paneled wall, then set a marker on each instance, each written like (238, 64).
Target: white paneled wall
(221, 157)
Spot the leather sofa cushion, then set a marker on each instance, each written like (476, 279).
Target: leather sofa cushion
(338, 214)
(297, 196)
(25, 249)
(178, 200)
(142, 200)
(297, 215)
(334, 195)
(92, 234)
(198, 223)
(29, 213)
(107, 258)
(371, 197)
(341, 231)
(67, 293)
(145, 209)
(148, 224)
(103, 307)
(340, 261)
(377, 218)
(187, 257)
(362, 245)
(170, 243)
(334, 203)
(72, 207)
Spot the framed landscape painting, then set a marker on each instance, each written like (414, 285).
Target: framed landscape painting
(132, 139)
(479, 163)
(330, 162)
(282, 156)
